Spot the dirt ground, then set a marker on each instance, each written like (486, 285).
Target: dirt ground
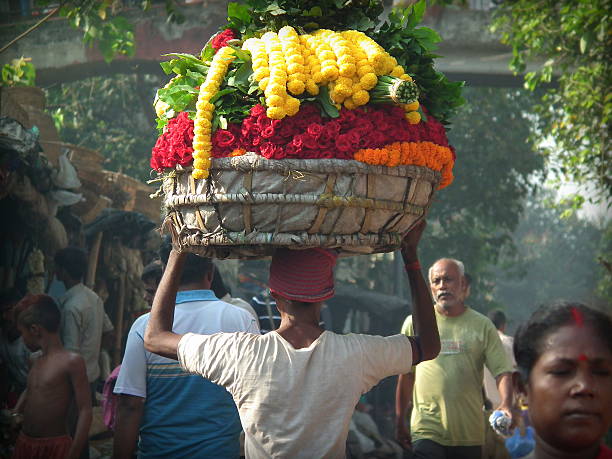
(100, 438)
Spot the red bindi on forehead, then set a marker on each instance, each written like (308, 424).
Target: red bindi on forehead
(583, 358)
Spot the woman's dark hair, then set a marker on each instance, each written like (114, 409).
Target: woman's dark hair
(547, 319)
(38, 310)
(73, 260)
(195, 267)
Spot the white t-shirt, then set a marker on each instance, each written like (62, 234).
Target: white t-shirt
(82, 326)
(295, 403)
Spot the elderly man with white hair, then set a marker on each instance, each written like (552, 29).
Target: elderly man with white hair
(445, 394)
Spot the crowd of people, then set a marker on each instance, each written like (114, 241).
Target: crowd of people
(198, 379)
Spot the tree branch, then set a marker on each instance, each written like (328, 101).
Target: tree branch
(34, 27)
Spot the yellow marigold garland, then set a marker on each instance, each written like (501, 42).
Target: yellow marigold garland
(202, 123)
(348, 62)
(426, 154)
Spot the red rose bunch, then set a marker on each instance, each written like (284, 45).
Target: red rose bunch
(174, 146)
(307, 135)
(220, 40)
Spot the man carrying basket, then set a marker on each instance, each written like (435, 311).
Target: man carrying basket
(296, 387)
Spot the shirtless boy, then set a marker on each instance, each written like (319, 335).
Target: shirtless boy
(56, 379)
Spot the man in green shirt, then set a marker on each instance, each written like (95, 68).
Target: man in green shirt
(445, 394)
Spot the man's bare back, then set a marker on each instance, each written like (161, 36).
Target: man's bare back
(49, 394)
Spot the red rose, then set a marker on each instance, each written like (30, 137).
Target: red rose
(377, 139)
(174, 146)
(347, 117)
(263, 121)
(354, 137)
(298, 142)
(343, 144)
(280, 153)
(315, 130)
(332, 128)
(267, 132)
(291, 151)
(220, 40)
(310, 142)
(258, 110)
(223, 138)
(268, 150)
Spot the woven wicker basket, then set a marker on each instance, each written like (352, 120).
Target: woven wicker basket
(250, 205)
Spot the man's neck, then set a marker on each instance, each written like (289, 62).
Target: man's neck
(50, 343)
(69, 283)
(453, 311)
(299, 331)
(194, 286)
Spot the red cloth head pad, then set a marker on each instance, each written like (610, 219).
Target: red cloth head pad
(303, 275)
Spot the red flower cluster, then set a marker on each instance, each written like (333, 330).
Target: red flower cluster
(174, 146)
(220, 40)
(308, 135)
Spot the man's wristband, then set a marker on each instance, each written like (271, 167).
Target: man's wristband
(414, 266)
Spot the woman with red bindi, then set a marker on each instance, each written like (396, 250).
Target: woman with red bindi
(564, 358)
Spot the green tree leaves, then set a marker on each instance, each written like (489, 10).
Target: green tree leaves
(573, 36)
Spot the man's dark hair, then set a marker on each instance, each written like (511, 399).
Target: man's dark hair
(547, 319)
(38, 310)
(218, 286)
(73, 260)
(498, 318)
(195, 267)
(153, 271)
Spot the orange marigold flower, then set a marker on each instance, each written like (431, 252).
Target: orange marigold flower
(238, 152)
(394, 157)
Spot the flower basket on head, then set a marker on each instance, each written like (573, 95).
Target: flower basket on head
(301, 136)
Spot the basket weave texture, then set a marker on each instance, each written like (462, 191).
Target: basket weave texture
(250, 205)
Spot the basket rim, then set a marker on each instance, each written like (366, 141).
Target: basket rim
(254, 162)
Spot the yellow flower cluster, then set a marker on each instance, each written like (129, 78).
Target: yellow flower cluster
(348, 63)
(202, 124)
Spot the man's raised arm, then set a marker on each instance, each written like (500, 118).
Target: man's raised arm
(423, 316)
(159, 337)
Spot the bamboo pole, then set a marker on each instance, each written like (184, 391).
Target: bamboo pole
(119, 320)
(92, 264)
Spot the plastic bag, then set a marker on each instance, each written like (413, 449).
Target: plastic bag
(520, 445)
(66, 176)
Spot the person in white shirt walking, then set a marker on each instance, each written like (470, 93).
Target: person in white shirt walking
(83, 316)
(296, 387)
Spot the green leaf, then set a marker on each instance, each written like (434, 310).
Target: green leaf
(418, 11)
(238, 11)
(315, 11)
(221, 93)
(326, 104)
